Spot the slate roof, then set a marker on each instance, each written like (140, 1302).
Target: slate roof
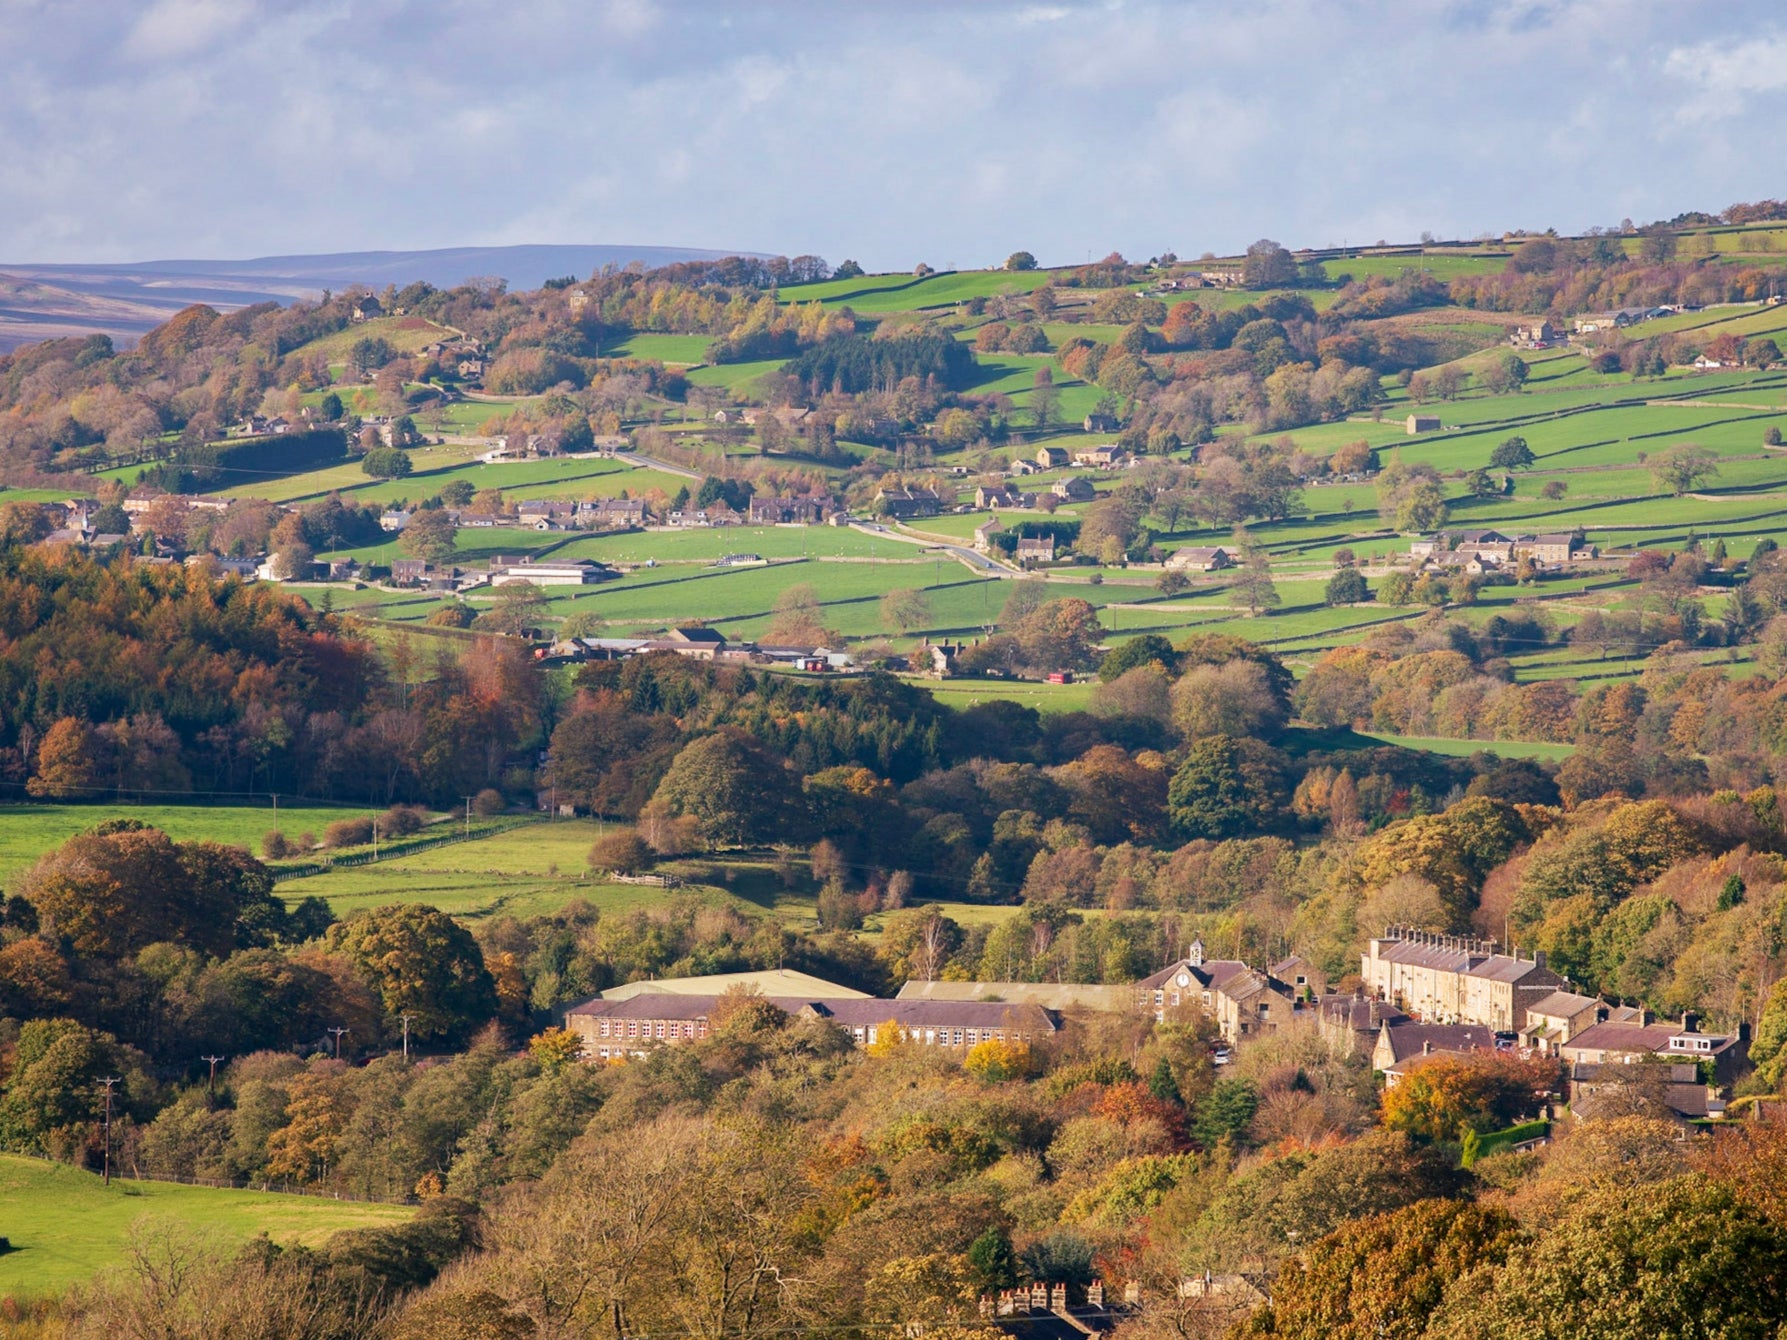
(1410, 1041)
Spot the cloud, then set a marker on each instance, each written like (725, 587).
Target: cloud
(1721, 73)
(886, 130)
(171, 29)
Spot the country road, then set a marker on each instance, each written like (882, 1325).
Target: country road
(971, 558)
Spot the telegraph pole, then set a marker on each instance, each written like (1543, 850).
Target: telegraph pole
(338, 1032)
(213, 1085)
(405, 1017)
(109, 1081)
(468, 816)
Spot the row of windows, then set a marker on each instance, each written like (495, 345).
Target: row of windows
(652, 1028)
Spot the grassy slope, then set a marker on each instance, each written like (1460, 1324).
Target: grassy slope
(27, 831)
(66, 1227)
(523, 872)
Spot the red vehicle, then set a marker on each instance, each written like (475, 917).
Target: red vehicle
(1061, 677)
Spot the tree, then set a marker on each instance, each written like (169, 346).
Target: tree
(1268, 265)
(518, 607)
(457, 492)
(1383, 1275)
(1683, 1257)
(905, 609)
(1554, 490)
(738, 793)
(123, 885)
(1148, 649)
(1681, 467)
(1253, 585)
(1507, 373)
(386, 463)
(1225, 1113)
(420, 961)
(1060, 635)
(1238, 698)
(1446, 1093)
(67, 762)
(1028, 594)
(1226, 787)
(623, 852)
(799, 620)
(1481, 485)
(1020, 260)
(1512, 454)
(1346, 587)
(431, 535)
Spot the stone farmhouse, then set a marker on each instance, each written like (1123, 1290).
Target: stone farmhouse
(1243, 1001)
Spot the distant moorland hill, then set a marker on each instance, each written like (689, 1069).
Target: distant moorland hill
(41, 301)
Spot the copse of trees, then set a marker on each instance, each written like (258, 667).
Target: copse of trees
(859, 363)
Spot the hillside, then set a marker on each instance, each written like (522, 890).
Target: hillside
(44, 300)
(65, 1227)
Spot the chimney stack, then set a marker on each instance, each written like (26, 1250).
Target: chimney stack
(1058, 1297)
(1095, 1294)
(1538, 958)
(1690, 1022)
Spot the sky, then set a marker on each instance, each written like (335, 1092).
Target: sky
(888, 133)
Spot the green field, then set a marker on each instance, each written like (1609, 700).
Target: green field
(28, 831)
(527, 871)
(65, 1226)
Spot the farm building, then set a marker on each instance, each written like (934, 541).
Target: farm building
(1559, 547)
(1051, 458)
(1107, 457)
(1199, 558)
(902, 504)
(1074, 489)
(1100, 423)
(984, 532)
(547, 572)
(1423, 423)
(1036, 549)
(787, 511)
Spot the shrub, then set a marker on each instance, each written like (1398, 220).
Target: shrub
(1771, 436)
(348, 833)
(623, 852)
(488, 803)
(402, 820)
(274, 846)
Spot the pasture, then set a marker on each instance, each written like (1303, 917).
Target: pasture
(531, 870)
(28, 831)
(65, 1226)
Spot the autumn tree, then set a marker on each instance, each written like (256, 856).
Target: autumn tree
(905, 609)
(1445, 1094)
(1384, 1275)
(422, 962)
(67, 762)
(1684, 1257)
(799, 619)
(431, 535)
(1060, 635)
